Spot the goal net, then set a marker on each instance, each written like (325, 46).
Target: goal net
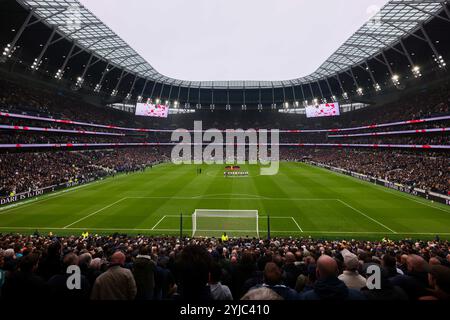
(209, 223)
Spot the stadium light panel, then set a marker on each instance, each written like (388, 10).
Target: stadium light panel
(396, 79)
(416, 72)
(377, 87)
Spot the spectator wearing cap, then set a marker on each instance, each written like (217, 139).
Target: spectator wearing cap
(117, 283)
(328, 286)
(351, 276)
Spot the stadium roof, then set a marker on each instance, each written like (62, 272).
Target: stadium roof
(395, 20)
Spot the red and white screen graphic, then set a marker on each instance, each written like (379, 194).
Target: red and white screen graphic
(152, 110)
(323, 110)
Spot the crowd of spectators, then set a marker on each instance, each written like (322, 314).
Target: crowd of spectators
(121, 267)
(429, 171)
(28, 171)
(23, 172)
(423, 104)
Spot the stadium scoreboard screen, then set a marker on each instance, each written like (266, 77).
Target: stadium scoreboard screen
(323, 110)
(152, 110)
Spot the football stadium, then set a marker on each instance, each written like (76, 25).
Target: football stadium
(173, 162)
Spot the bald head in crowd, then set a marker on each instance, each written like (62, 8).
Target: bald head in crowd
(326, 267)
(434, 262)
(70, 259)
(416, 263)
(272, 274)
(118, 258)
(289, 258)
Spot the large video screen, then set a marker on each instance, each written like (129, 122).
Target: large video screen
(152, 110)
(323, 110)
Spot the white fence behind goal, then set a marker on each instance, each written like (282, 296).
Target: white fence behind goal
(210, 223)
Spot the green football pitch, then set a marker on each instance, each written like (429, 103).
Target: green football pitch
(301, 201)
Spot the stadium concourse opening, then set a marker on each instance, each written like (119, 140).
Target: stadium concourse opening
(110, 190)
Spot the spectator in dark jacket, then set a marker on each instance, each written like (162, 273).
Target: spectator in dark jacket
(50, 263)
(24, 284)
(192, 270)
(58, 284)
(388, 292)
(415, 281)
(290, 270)
(439, 279)
(328, 286)
(144, 275)
(273, 280)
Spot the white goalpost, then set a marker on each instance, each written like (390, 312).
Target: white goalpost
(206, 222)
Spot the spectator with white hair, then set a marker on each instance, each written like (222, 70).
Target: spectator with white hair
(351, 276)
(262, 294)
(186, 265)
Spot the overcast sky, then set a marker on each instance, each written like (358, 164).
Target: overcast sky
(234, 39)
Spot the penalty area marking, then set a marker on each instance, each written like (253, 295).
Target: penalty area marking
(298, 226)
(94, 213)
(161, 220)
